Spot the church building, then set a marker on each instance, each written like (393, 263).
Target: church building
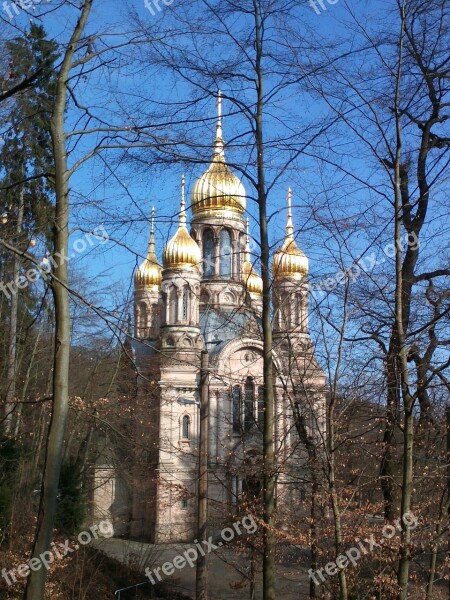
(206, 295)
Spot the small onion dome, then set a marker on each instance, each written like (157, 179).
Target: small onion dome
(148, 273)
(289, 260)
(253, 282)
(218, 188)
(182, 250)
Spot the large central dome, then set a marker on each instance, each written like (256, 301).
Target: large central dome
(218, 189)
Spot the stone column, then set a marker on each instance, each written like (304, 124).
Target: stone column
(216, 254)
(283, 421)
(234, 489)
(213, 426)
(179, 305)
(222, 418)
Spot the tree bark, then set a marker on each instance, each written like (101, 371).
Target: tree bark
(201, 573)
(269, 400)
(402, 306)
(12, 347)
(447, 418)
(35, 587)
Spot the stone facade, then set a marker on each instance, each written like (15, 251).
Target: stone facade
(207, 296)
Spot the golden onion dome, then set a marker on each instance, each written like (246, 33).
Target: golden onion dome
(182, 250)
(289, 260)
(148, 274)
(253, 282)
(218, 189)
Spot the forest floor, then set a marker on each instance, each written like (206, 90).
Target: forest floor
(88, 574)
(228, 570)
(100, 570)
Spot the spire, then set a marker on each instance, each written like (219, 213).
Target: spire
(151, 244)
(182, 221)
(219, 146)
(149, 272)
(289, 261)
(182, 250)
(289, 224)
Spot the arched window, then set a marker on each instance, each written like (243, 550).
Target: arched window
(186, 428)
(298, 310)
(144, 313)
(155, 316)
(261, 409)
(173, 305)
(249, 418)
(208, 253)
(138, 317)
(143, 317)
(185, 301)
(225, 253)
(251, 487)
(236, 409)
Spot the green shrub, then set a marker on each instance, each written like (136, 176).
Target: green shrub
(71, 511)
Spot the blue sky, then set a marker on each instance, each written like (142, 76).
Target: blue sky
(119, 193)
(161, 188)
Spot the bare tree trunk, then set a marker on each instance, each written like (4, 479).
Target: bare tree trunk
(313, 466)
(338, 538)
(201, 573)
(54, 450)
(402, 302)
(12, 346)
(447, 414)
(253, 574)
(435, 548)
(313, 532)
(268, 443)
(392, 409)
(269, 401)
(26, 383)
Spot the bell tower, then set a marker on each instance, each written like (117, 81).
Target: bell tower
(290, 287)
(147, 291)
(218, 203)
(180, 327)
(181, 344)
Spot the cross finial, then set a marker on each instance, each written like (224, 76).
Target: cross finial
(219, 146)
(289, 225)
(219, 106)
(183, 202)
(151, 245)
